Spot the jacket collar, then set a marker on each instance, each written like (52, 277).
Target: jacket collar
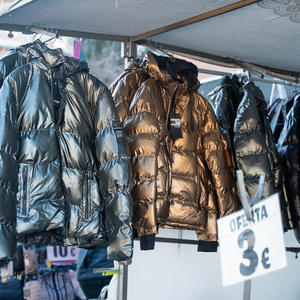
(47, 58)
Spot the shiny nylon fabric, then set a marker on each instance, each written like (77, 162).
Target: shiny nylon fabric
(251, 138)
(252, 153)
(14, 59)
(68, 160)
(288, 148)
(8, 63)
(225, 99)
(170, 176)
(255, 150)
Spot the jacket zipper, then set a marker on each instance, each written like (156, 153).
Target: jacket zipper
(168, 166)
(88, 177)
(24, 200)
(58, 120)
(199, 189)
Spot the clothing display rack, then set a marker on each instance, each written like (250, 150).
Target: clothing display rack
(129, 52)
(247, 71)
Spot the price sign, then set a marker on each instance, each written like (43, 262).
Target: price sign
(59, 254)
(252, 248)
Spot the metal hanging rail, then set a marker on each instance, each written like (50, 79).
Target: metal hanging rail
(262, 72)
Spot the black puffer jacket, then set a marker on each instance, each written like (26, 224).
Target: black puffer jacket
(288, 148)
(254, 149)
(225, 99)
(63, 156)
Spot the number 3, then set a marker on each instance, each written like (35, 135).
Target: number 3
(248, 235)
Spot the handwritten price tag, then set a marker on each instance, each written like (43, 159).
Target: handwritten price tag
(62, 254)
(252, 248)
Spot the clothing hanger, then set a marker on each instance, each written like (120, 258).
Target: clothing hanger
(57, 38)
(35, 36)
(44, 42)
(54, 38)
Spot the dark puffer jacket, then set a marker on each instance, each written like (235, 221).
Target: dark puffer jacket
(225, 99)
(242, 117)
(288, 148)
(171, 174)
(63, 156)
(255, 150)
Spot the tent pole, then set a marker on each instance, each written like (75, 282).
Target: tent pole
(247, 289)
(123, 279)
(128, 51)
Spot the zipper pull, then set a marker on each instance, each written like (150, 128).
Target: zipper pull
(24, 178)
(227, 153)
(89, 175)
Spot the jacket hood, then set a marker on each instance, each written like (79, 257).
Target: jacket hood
(257, 93)
(224, 82)
(50, 58)
(166, 70)
(23, 49)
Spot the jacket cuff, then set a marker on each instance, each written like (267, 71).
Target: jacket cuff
(204, 246)
(147, 242)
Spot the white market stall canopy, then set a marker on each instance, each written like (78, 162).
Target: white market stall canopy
(261, 33)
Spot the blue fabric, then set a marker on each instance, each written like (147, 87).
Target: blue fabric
(11, 290)
(88, 260)
(82, 56)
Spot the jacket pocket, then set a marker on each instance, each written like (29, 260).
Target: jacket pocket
(24, 196)
(169, 170)
(199, 188)
(87, 198)
(89, 188)
(24, 175)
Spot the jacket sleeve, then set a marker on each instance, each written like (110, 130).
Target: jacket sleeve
(8, 170)
(143, 134)
(288, 147)
(132, 66)
(124, 90)
(212, 147)
(208, 241)
(114, 176)
(225, 116)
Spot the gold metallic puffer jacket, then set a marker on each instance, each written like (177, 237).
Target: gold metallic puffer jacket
(172, 176)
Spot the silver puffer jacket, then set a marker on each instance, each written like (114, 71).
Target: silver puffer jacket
(12, 60)
(65, 168)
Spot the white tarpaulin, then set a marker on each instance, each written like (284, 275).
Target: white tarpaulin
(264, 33)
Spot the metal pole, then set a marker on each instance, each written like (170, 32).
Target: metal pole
(123, 279)
(128, 51)
(247, 289)
(247, 202)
